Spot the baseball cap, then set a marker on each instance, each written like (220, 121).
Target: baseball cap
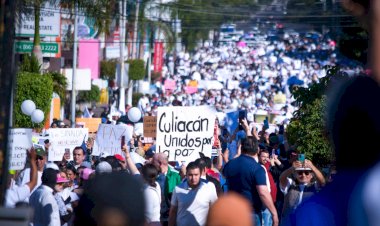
(302, 169)
(61, 179)
(119, 157)
(40, 152)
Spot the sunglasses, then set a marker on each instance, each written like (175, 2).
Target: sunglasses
(303, 172)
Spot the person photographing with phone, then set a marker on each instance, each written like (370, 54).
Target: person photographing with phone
(307, 181)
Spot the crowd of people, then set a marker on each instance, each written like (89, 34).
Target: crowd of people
(68, 192)
(258, 78)
(255, 178)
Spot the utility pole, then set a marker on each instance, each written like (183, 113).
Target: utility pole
(134, 52)
(7, 81)
(121, 59)
(75, 55)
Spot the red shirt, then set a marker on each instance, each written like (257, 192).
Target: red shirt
(273, 187)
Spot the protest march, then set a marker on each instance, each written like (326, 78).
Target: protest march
(210, 145)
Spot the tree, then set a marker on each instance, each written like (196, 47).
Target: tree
(59, 85)
(35, 87)
(92, 95)
(136, 69)
(307, 128)
(108, 69)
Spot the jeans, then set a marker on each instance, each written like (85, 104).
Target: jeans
(267, 217)
(257, 218)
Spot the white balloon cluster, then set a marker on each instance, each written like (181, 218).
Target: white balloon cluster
(28, 107)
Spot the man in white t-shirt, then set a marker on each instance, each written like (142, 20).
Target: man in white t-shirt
(191, 199)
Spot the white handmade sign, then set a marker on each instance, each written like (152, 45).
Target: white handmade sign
(19, 141)
(109, 138)
(184, 132)
(62, 139)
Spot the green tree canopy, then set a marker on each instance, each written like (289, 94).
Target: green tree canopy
(307, 129)
(92, 95)
(35, 87)
(136, 69)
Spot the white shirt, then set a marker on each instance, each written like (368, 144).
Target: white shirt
(24, 178)
(16, 194)
(152, 203)
(193, 204)
(46, 211)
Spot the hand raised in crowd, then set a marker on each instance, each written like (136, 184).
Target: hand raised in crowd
(309, 164)
(32, 154)
(125, 150)
(90, 143)
(245, 125)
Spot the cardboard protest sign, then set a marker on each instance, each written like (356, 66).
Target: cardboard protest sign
(109, 138)
(19, 141)
(62, 139)
(150, 124)
(183, 132)
(91, 123)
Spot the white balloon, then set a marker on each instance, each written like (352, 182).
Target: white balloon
(134, 114)
(27, 107)
(37, 116)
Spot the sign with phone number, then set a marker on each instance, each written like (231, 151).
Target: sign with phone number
(27, 47)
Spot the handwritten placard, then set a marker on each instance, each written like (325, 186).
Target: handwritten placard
(109, 138)
(62, 139)
(19, 141)
(150, 124)
(91, 123)
(183, 132)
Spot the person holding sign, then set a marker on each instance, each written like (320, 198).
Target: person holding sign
(15, 194)
(24, 176)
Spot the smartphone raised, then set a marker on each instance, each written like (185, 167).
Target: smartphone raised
(301, 158)
(242, 115)
(122, 143)
(266, 123)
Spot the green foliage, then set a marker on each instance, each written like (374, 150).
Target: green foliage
(59, 85)
(92, 95)
(30, 64)
(136, 69)
(108, 69)
(135, 98)
(35, 87)
(307, 128)
(307, 131)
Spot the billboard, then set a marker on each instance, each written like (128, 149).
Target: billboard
(50, 20)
